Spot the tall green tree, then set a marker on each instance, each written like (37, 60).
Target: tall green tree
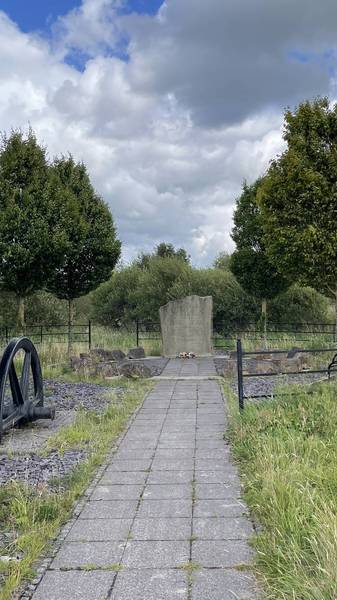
(162, 250)
(91, 246)
(30, 239)
(298, 198)
(250, 263)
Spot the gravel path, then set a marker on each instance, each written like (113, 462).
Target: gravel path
(20, 459)
(72, 396)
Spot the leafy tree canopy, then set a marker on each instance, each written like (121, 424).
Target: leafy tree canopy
(162, 250)
(30, 239)
(91, 246)
(250, 263)
(298, 198)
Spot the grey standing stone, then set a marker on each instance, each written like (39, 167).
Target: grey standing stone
(186, 326)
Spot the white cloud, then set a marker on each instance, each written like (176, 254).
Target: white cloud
(168, 135)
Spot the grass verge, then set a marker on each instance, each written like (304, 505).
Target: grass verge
(287, 453)
(35, 515)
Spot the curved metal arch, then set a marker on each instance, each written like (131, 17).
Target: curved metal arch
(22, 408)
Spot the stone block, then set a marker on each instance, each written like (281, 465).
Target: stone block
(135, 371)
(186, 326)
(136, 353)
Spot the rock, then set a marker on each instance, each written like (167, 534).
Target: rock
(135, 370)
(136, 353)
(117, 355)
(108, 369)
(75, 363)
(102, 354)
(293, 353)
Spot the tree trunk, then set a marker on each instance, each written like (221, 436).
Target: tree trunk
(264, 321)
(71, 315)
(21, 314)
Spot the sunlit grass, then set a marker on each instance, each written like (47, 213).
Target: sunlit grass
(287, 453)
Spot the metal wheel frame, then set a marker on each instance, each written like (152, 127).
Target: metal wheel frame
(24, 409)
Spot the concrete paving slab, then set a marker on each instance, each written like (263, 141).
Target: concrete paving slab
(167, 491)
(161, 529)
(216, 584)
(95, 555)
(99, 530)
(151, 585)
(222, 528)
(109, 509)
(156, 554)
(75, 585)
(123, 477)
(170, 477)
(117, 492)
(217, 491)
(219, 508)
(221, 553)
(165, 508)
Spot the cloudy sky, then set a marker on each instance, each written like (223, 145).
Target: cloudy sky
(170, 104)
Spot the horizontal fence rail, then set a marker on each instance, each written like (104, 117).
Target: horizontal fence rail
(331, 367)
(60, 334)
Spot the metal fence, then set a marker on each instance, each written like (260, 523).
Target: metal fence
(225, 336)
(61, 334)
(331, 367)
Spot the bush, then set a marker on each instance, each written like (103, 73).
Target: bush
(300, 305)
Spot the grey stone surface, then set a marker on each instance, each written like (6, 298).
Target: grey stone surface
(94, 554)
(140, 511)
(222, 528)
(161, 529)
(74, 585)
(136, 352)
(170, 477)
(109, 509)
(216, 584)
(123, 477)
(221, 553)
(167, 491)
(99, 530)
(151, 585)
(219, 508)
(216, 491)
(156, 554)
(117, 492)
(165, 508)
(186, 326)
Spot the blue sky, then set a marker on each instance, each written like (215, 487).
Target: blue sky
(32, 15)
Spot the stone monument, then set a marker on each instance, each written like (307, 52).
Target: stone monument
(187, 325)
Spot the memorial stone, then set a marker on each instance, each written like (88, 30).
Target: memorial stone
(186, 326)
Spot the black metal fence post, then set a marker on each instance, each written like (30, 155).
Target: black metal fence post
(137, 333)
(89, 334)
(240, 378)
(41, 334)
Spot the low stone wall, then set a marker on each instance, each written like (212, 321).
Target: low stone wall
(114, 363)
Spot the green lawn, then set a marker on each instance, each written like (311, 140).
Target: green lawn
(286, 450)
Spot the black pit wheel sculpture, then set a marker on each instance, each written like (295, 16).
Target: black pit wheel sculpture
(21, 398)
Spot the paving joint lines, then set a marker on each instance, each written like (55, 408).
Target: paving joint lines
(165, 519)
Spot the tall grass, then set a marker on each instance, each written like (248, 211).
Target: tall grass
(287, 453)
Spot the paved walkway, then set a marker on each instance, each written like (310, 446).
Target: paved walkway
(167, 508)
